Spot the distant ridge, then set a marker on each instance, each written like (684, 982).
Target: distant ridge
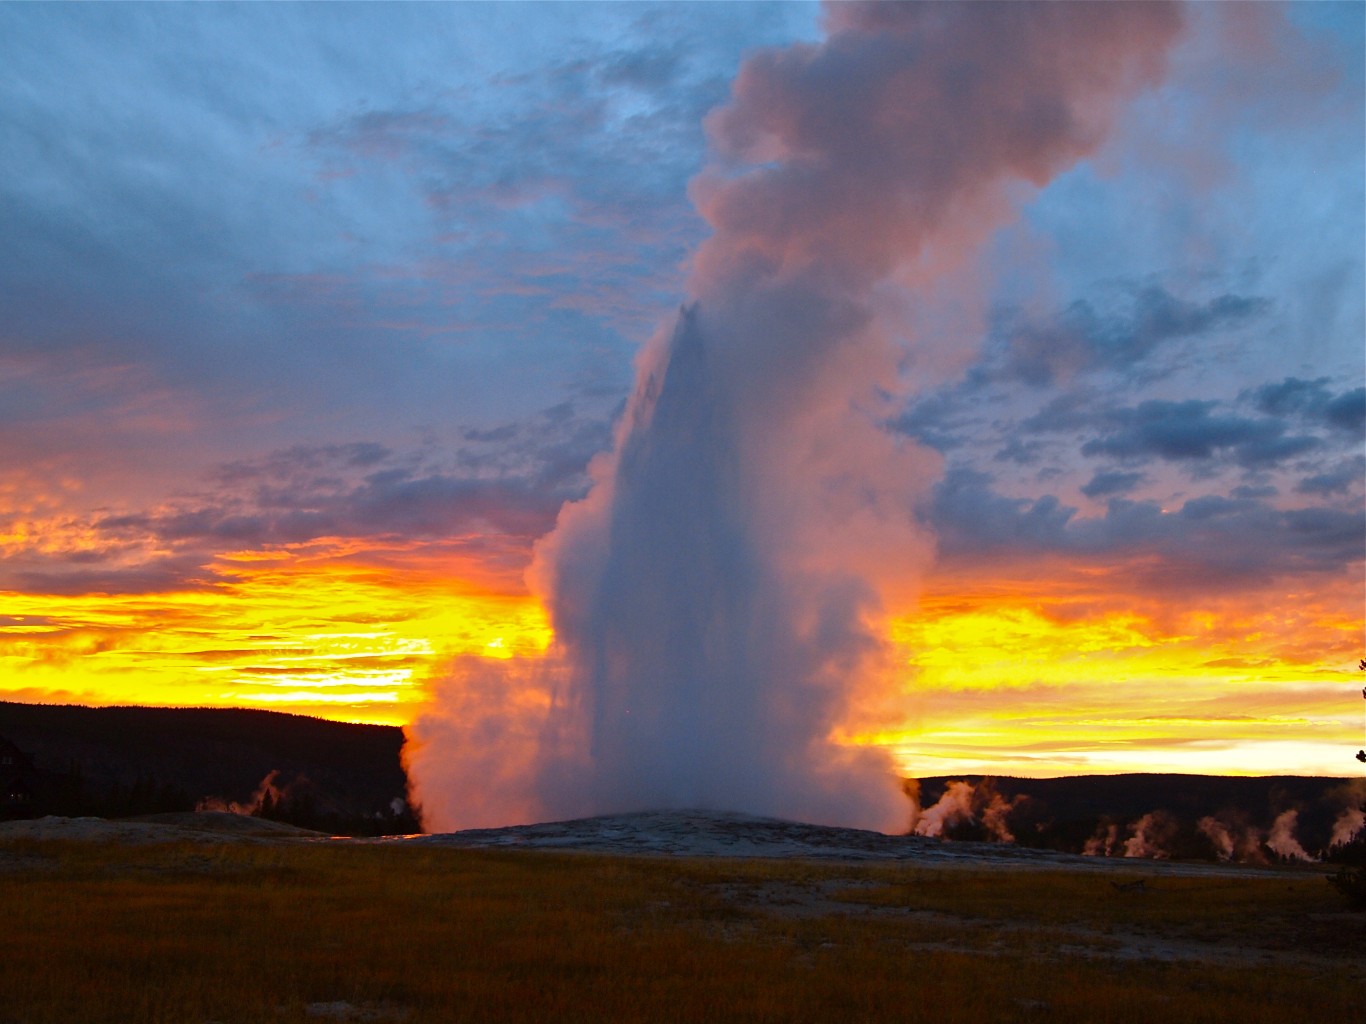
(1131, 795)
(347, 779)
(137, 760)
(1063, 813)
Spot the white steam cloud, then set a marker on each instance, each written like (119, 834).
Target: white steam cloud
(266, 795)
(1351, 818)
(717, 597)
(1152, 837)
(963, 803)
(1104, 842)
(1348, 824)
(1282, 838)
(1234, 841)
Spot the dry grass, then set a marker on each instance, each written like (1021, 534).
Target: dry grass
(297, 933)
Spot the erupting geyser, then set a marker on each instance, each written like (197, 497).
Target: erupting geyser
(716, 597)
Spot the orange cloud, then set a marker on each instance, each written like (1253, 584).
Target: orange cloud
(321, 631)
(1065, 671)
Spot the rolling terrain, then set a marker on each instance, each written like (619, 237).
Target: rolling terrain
(120, 761)
(348, 779)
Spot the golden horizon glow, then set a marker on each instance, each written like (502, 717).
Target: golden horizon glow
(1014, 680)
(307, 630)
(994, 678)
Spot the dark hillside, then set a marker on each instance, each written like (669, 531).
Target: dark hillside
(1091, 796)
(1064, 813)
(135, 760)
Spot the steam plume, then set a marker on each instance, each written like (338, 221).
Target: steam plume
(717, 596)
(1351, 821)
(1351, 818)
(1233, 841)
(1152, 836)
(1219, 835)
(963, 803)
(1104, 842)
(953, 807)
(267, 794)
(1282, 838)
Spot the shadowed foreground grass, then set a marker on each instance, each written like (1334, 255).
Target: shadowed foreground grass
(235, 933)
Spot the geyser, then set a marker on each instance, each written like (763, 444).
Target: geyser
(717, 596)
(713, 622)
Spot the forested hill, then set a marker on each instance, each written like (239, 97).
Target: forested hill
(136, 760)
(347, 779)
(1181, 814)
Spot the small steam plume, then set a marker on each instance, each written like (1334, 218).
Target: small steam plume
(1219, 835)
(1152, 836)
(962, 803)
(1351, 819)
(718, 596)
(1348, 824)
(1237, 842)
(994, 816)
(1105, 841)
(953, 807)
(1282, 839)
(266, 795)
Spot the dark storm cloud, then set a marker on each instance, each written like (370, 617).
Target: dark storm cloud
(1313, 401)
(497, 491)
(654, 69)
(1272, 451)
(299, 461)
(438, 505)
(1107, 483)
(1176, 430)
(1224, 538)
(1190, 431)
(1338, 480)
(1020, 451)
(1017, 457)
(263, 216)
(156, 576)
(1348, 411)
(510, 480)
(1194, 431)
(969, 515)
(34, 621)
(939, 420)
(1292, 395)
(1069, 411)
(562, 208)
(1084, 338)
(1126, 336)
(1252, 492)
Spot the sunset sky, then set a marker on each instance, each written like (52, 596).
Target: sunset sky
(312, 318)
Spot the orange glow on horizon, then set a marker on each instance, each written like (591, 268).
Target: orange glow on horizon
(1063, 672)
(313, 632)
(1014, 680)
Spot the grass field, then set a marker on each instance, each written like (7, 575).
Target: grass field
(403, 932)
